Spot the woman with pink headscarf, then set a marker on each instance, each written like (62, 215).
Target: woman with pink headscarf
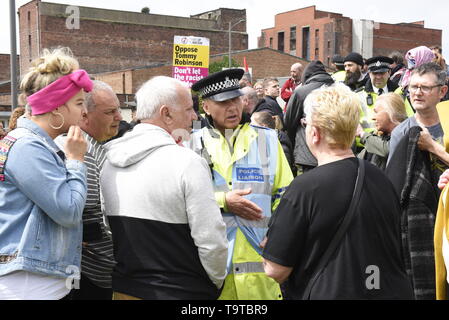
(42, 189)
(415, 58)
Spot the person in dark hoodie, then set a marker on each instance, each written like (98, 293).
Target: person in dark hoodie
(314, 77)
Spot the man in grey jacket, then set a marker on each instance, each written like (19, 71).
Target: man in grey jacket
(169, 236)
(314, 77)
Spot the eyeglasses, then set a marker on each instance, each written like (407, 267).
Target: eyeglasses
(303, 122)
(424, 89)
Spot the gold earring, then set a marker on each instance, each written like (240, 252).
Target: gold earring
(55, 127)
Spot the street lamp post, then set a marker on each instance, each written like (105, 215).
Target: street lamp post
(230, 28)
(12, 11)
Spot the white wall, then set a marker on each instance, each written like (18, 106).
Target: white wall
(362, 37)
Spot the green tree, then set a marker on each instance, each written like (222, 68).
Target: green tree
(223, 63)
(145, 10)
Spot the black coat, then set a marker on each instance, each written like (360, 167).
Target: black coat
(414, 180)
(269, 104)
(314, 77)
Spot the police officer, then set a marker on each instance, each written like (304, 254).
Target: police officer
(250, 174)
(339, 62)
(378, 83)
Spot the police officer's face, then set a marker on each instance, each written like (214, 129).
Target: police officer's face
(379, 79)
(226, 114)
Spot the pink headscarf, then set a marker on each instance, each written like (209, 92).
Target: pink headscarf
(415, 58)
(59, 92)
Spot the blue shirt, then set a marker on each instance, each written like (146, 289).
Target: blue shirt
(41, 205)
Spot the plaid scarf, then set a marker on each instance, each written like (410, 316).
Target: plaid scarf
(419, 203)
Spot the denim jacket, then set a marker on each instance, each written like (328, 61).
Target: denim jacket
(41, 205)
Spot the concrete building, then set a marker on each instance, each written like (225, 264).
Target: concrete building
(106, 40)
(318, 35)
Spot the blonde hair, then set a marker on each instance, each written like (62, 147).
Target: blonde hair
(335, 110)
(46, 69)
(394, 106)
(16, 114)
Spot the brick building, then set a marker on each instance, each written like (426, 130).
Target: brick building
(5, 67)
(313, 34)
(108, 40)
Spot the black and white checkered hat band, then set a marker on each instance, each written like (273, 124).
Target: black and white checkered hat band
(220, 87)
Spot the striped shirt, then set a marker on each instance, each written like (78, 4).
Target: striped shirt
(97, 260)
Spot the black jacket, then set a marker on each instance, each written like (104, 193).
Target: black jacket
(314, 77)
(269, 104)
(410, 171)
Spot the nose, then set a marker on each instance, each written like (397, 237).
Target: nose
(118, 116)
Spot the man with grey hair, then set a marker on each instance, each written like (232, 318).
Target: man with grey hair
(169, 236)
(295, 80)
(99, 123)
(415, 175)
(249, 99)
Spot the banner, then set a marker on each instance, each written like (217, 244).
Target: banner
(190, 59)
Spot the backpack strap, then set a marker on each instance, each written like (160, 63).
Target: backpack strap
(338, 236)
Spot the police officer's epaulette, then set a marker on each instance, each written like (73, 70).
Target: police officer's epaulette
(360, 89)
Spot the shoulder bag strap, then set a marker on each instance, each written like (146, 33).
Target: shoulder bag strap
(336, 240)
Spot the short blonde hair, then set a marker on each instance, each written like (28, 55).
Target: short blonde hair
(48, 68)
(394, 106)
(335, 110)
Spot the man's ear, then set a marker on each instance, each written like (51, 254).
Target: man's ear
(164, 112)
(443, 91)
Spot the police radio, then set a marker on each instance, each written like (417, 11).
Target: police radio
(369, 100)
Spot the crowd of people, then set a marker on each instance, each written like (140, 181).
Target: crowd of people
(220, 193)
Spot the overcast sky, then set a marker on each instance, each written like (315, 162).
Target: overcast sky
(260, 13)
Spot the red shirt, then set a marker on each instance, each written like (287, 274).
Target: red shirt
(287, 90)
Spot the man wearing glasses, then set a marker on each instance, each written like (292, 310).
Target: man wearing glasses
(415, 174)
(427, 88)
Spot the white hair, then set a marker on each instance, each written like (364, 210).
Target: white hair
(155, 93)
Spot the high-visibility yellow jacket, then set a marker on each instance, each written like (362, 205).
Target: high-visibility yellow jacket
(339, 76)
(251, 157)
(441, 235)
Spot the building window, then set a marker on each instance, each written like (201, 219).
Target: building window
(29, 19)
(29, 48)
(293, 40)
(271, 42)
(306, 43)
(281, 40)
(317, 54)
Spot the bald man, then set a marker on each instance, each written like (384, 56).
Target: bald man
(295, 80)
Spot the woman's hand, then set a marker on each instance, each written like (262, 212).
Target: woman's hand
(76, 145)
